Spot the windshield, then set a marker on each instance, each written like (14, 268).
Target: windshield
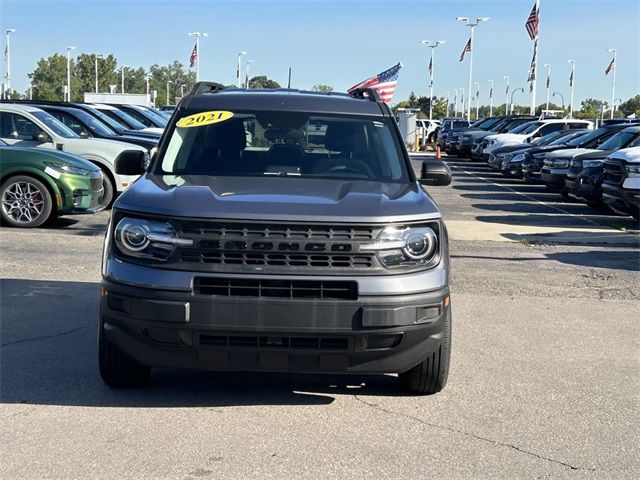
(588, 137)
(54, 124)
(158, 119)
(128, 120)
(516, 123)
(564, 140)
(548, 138)
(526, 127)
(115, 126)
(288, 144)
(618, 141)
(95, 125)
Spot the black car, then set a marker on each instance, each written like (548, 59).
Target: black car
(295, 255)
(556, 164)
(454, 135)
(446, 125)
(144, 115)
(534, 159)
(586, 172)
(476, 140)
(88, 126)
(508, 159)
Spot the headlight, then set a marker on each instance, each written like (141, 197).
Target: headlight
(147, 238)
(558, 163)
(397, 247)
(538, 155)
(490, 142)
(517, 158)
(633, 170)
(63, 168)
(591, 163)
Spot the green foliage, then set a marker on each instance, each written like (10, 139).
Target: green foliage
(320, 87)
(262, 81)
(49, 77)
(631, 106)
(413, 100)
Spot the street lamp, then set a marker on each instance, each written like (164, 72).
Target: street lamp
(548, 67)
(432, 46)
(182, 90)
(506, 103)
(455, 102)
(462, 102)
(7, 58)
(122, 75)
(246, 78)
(613, 81)
(472, 25)
(448, 100)
(561, 98)
(96, 59)
(198, 35)
(168, 101)
(477, 99)
(147, 77)
(491, 98)
(512, 93)
(572, 81)
(240, 54)
(69, 72)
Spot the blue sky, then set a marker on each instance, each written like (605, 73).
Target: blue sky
(342, 42)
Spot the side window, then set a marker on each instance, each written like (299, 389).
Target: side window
(70, 122)
(17, 127)
(635, 142)
(551, 127)
(141, 118)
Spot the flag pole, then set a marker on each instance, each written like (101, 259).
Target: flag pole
(535, 63)
(491, 99)
(613, 82)
(573, 81)
(548, 66)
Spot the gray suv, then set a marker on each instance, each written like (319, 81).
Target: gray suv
(250, 245)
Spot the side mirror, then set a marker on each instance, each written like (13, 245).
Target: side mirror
(41, 137)
(84, 134)
(131, 162)
(435, 173)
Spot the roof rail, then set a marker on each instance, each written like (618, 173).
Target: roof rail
(370, 94)
(206, 87)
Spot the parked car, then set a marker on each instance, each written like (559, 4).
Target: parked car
(621, 186)
(427, 130)
(534, 158)
(144, 115)
(462, 138)
(447, 124)
(508, 159)
(530, 130)
(39, 185)
(556, 164)
(330, 259)
(88, 126)
(478, 139)
(125, 119)
(586, 172)
(28, 126)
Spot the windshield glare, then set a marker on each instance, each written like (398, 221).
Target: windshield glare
(95, 125)
(526, 127)
(288, 144)
(54, 124)
(618, 141)
(592, 135)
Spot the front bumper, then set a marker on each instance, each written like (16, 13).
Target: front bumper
(586, 185)
(553, 177)
(79, 193)
(622, 200)
(178, 329)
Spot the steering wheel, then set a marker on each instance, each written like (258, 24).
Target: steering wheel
(357, 167)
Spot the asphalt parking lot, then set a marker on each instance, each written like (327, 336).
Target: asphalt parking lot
(543, 382)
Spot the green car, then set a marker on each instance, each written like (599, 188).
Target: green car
(37, 185)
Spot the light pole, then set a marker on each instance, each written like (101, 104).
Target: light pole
(246, 79)
(455, 102)
(506, 102)
(122, 80)
(240, 54)
(168, 101)
(448, 100)
(7, 58)
(147, 77)
(462, 102)
(96, 59)
(477, 99)
(561, 98)
(491, 99)
(512, 93)
(182, 90)
(432, 46)
(69, 72)
(572, 81)
(613, 81)
(548, 66)
(472, 25)
(198, 35)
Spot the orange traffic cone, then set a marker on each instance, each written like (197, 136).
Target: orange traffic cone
(438, 155)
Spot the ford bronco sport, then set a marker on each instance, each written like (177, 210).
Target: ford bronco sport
(250, 245)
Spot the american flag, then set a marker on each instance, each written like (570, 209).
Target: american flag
(548, 81)
(194, 56)
(431, 66)
(571, 79)
(611, 66)
(467, 48)
(491, 93)
(534, 59)
(532, 23)
(384, 83)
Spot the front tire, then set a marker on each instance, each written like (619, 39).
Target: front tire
(108, 190)
(430, 375)
(25, 202)
(117, 369)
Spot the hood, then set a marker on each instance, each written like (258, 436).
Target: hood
(477, 133)
(153, 130)
(571, 152)
(594, 154)
(512, 148)
(33, 155)
(96, 146)
(142, 134)
(629, 155)
(509, 138)
(278, 198)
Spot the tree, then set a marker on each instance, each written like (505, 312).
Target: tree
(49, 77)
(413, 100)
(631, 106)
(322, 88)
(262, 81)
(590, 108)
(176, 76)
(84, 73)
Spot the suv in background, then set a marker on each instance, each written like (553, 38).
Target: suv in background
(283, 255)
(446, 125)
(427, 130)
(477, 139)
(621, 186)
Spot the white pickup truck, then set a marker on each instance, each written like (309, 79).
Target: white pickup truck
(28, 126)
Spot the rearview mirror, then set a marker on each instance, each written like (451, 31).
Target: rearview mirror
(131, 162)
(41, 137)
(435, 173)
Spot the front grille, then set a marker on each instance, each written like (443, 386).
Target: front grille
(614, 172)
(575, 166)
(258, 247)
(276, 342)
(291, 289)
